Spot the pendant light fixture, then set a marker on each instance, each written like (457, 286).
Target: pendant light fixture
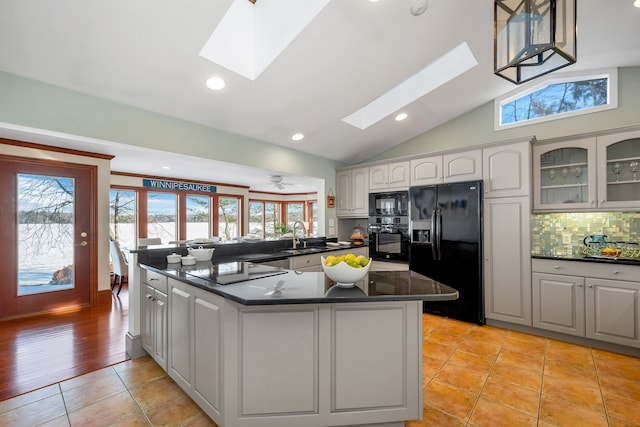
(533, 37)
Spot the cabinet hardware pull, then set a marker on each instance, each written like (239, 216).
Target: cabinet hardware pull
(616, 272)
(153, 278)
(556, 267)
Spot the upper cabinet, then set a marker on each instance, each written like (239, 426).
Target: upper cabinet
(596, 173)
(507, 170)
(619, 170)
(452, 167)
(389, 176)
(462, 166)
(352, 193)
(565, 175)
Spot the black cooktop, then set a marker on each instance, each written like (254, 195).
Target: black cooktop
(233, 272)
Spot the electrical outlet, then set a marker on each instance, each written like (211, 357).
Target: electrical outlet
(566, 239)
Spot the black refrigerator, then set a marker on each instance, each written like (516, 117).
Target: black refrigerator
(446, 244)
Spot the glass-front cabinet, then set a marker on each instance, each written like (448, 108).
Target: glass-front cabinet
(619, 170)
(565, 175)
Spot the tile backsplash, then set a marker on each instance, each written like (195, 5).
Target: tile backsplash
(562, 233)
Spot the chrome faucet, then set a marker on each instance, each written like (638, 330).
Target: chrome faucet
(304, 229)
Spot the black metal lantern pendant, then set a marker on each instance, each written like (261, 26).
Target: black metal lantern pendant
(533, 37)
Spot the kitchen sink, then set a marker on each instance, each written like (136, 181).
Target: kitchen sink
(302, 251)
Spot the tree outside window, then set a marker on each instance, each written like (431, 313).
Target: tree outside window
(161, 215)
(122, 217)
(228, 217)
(256, 219)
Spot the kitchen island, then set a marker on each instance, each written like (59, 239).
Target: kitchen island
(289, 348)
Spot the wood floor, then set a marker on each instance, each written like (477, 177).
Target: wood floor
(44, 350)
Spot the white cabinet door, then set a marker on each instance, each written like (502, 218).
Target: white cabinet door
(558, 303)
(180, 330)
(352, 193)
(160, 323)
(147, 318)
(399, 176)
(507, 272)
(378, 177)
(618, 170)
(276, 376)
(463, 166)
(564, 175)
(507, 170)
(613, 311)
(343, 193)
(207, 343)
(360, 192)
(426, 171)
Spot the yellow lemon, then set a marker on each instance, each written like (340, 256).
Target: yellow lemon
(330, 261)
(363, 260)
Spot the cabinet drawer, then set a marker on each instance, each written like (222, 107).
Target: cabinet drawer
(305, 261)
(598, 270)
(156, 280)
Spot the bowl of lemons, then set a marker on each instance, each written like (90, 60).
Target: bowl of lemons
(345, 270)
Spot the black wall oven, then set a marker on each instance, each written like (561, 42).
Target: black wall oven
(389, 242)
(389, 238)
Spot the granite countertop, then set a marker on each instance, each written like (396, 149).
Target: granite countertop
(292, 287)
(581, 258)
(258, 251)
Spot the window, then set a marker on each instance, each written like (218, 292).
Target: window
(162, 215)
(256, 218)
(567, 95)
(272, 219)
(313, 218)
(228, 217)
(122, 217)
(198, 216)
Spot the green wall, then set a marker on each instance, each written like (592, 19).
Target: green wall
(39, 105)
(476, 126)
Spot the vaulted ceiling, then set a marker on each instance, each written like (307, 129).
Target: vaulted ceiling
(145, 53)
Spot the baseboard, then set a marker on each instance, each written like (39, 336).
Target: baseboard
(134, 346)
(587, 342)
(105, 296)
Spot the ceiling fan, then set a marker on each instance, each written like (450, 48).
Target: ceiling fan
(277, 181)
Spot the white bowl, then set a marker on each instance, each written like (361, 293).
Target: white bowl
(188, 260)
(174, 257)
(201, 254)
(343, 274)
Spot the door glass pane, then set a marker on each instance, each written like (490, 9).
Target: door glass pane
(161, 215)
(45, 233)
(198, 215)
(228, 219)
(122, 217)
(623, 170)
(564, 176)
(256, 219)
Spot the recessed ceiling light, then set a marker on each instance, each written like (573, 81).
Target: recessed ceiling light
(400, 117)
(166, 167)
(215, 83)
(636, 3)
(297, 137)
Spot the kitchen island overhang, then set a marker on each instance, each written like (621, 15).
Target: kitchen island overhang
(292, 349)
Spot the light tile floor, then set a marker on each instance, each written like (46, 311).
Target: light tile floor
(473, 376)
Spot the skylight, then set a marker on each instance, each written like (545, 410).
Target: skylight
(250, 36)
(442, 70)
